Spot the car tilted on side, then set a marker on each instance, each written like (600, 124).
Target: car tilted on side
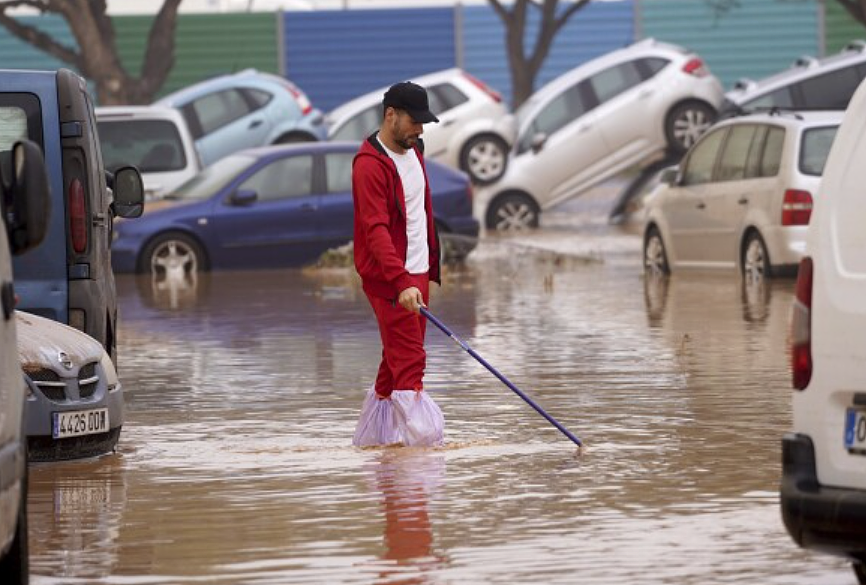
(626, 108)
(742, 196)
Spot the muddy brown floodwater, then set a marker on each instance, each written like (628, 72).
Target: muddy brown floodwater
(235, 464)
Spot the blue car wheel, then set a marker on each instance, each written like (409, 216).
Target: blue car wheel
(173, 254)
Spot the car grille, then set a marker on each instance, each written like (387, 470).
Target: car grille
(49, 383)
(87, 380)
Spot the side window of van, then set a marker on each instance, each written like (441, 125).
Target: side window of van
(702, 160)
(772, 157)
(732, 165)
(20, 117)
(779, 98)
(613, 81)
(832, 90)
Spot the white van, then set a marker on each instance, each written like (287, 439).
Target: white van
(155, 139)
(823, 492)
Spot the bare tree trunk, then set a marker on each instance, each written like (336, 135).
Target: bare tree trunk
(96, 56)
(524, 69)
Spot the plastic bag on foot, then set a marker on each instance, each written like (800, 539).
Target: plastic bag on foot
(419, 420)
(377, 424)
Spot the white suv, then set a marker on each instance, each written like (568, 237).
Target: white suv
(474, 133)
(625, 108)
(823, 492)
(742, 196)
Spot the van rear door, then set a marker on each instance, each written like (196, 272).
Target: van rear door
(40, 274)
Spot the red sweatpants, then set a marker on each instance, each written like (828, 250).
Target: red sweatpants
(402, 332)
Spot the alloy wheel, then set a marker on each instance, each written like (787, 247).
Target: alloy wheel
(755, 260)
(173, 257)
(690, 125)
(655, 260)
(485, 161)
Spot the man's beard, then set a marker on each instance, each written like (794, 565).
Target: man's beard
(408, 142)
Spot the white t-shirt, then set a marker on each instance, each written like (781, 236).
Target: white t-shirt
(412, 177)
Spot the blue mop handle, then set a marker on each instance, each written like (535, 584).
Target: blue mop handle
(495, 372)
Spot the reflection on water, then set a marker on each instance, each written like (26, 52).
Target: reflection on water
(236, 466)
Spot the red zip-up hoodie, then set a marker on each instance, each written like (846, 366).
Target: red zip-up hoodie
(380, 222)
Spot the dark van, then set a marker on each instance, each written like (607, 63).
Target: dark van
(68, 278)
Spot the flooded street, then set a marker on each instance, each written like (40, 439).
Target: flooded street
(235, 464)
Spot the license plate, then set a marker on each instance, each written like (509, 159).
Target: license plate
(855, 430)
(80, 422)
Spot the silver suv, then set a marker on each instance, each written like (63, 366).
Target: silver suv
(810, 84)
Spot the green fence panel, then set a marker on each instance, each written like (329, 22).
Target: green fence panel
(205, 45)
(840, 27)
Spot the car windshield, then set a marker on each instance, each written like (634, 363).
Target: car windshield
(816, 147)
(154, 146)
(212, 179)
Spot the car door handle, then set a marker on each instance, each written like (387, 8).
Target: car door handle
(585, 128)
(743, 200)
(701, 205)
(645, 94)
(447, 123)
(308, 207)
(255, 124)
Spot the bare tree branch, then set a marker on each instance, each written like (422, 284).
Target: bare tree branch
(39, 39)
(856, 8)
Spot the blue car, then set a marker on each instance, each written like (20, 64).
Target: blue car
(250, 108)
(269, 207)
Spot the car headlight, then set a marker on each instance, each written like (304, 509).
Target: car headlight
(110, 372)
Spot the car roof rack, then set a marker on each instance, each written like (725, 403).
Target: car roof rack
(744, 83)
(856, 46)
(805, 62)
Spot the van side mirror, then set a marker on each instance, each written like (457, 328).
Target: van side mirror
(26, 205)
(128, 193)
(670, 176)
(244, 197)
(538, 141)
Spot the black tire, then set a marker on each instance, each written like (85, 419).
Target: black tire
(15, 565)
(686, 122)
(168, 253)
(512, 212)
(655, 255)
(755, 262)
(484, 158)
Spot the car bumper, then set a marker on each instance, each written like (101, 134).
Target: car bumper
(39, 420)
(829, 519)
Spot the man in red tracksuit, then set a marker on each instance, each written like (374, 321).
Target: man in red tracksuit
(397, 255)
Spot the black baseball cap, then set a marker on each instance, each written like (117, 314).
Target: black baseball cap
(412, 98)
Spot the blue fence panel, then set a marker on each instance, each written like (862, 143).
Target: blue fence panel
(597, 29)
(336, 55)
(753, 39)
(17, 54)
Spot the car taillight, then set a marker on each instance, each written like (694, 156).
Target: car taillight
(801, 327)
(796, 207)
(696, 67)
(495, 95)
(77, 216)
(300, 97)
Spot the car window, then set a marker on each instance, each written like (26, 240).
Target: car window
(649, 66)
(702, 160)
(563, 109)
(753, 164)
(151, 145)
(732, 164)
(360, 125)
(218, 109)
(772, 157)
(831, 90)
(257, 97)
(213, 178)
(284, 178)
(20, 117)
(780, 98)
(447, 96)
(615, 80)
(815, 148)
(338, 168)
